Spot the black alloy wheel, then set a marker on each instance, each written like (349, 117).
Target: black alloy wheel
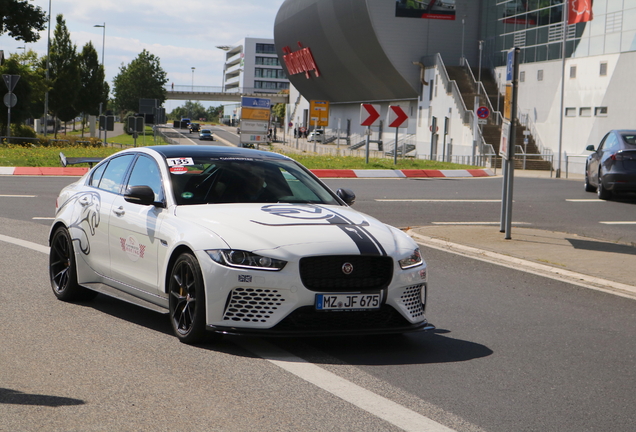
(62, 270)
(187, 300)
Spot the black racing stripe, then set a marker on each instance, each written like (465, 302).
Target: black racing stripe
(366, 243)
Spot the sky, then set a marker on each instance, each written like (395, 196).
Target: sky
(183, 34)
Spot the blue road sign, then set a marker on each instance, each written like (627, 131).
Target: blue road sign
(510, 65)
(250, 102)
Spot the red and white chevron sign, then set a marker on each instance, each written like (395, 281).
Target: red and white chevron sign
(397, 117)
(369, 114)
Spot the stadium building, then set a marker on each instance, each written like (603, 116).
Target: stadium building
(443, 60)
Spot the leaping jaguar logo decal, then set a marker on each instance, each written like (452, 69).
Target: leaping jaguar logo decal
(87, 220)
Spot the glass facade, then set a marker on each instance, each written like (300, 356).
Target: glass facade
(269, 73)
(271, 85)
(536, 27)
(268, 61)
(265, 48)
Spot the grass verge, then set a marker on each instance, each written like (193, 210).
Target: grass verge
(19, 156)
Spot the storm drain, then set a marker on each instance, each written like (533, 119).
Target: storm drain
(252, 304)
(412, 300)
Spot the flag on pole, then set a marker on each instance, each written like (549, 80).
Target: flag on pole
(579, 11)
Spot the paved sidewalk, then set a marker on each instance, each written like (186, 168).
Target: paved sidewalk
(588, 262)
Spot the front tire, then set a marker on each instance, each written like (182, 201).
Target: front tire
(62, 269)
(187, 300)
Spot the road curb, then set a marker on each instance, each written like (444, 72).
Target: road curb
(555, 273)
(322, 173)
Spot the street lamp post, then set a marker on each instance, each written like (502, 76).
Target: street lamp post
(461, 61)
(48, 66)
(103, 27)
(192, 88)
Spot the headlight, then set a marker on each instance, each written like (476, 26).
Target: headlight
(246, 260)
(412, 260)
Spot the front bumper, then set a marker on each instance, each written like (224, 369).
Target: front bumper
(277, 303)
(289, 326)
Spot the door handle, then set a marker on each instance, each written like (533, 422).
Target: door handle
(119, 211)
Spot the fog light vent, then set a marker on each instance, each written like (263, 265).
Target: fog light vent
(412, 300)
(252, 304)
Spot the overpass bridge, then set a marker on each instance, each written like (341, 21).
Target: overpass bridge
(214, 94)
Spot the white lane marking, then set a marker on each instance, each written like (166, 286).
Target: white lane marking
(43, 218)
(584, 200)
(24, 243)
(441, 200)
(478, 223)
(375, 404)
(555, 273)
(18, 196)
(618, 222)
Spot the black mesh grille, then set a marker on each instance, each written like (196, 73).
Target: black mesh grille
(308, 319)
(325, 273)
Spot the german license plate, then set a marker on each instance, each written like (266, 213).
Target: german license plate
(336, 302)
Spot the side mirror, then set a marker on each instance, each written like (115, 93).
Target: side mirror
(142, 195)
(590, 148)
(347, 196)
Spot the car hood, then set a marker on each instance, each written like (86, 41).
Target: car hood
(297, 229)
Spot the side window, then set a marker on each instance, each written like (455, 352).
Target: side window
(601, 146)
(146, 173)
(96, 176)
(114, 175)
(610, 143)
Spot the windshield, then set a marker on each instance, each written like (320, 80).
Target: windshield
(244, 180)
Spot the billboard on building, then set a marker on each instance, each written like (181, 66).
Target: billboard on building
(429, 9)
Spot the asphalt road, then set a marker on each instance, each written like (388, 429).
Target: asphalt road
(513, 351)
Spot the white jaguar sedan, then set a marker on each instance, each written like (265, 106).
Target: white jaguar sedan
(233, 241)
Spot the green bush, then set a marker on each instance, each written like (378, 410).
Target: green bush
(22, 131)
(49, 141)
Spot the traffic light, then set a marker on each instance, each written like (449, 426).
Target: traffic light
(107, 123)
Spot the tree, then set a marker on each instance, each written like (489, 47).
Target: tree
(213, 113)
(22, 91)
(64, 73)
(279, 112)
(29, 90)
(141, 78)
(94, 90)
(21, 20)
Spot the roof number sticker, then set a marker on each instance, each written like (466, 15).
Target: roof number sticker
(179, 161)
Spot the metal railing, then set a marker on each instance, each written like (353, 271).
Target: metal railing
(480, 88)
(221, 89)
(567, 161)
(453, 89)
(405, 142)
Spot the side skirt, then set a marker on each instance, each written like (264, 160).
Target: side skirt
(120, 295)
